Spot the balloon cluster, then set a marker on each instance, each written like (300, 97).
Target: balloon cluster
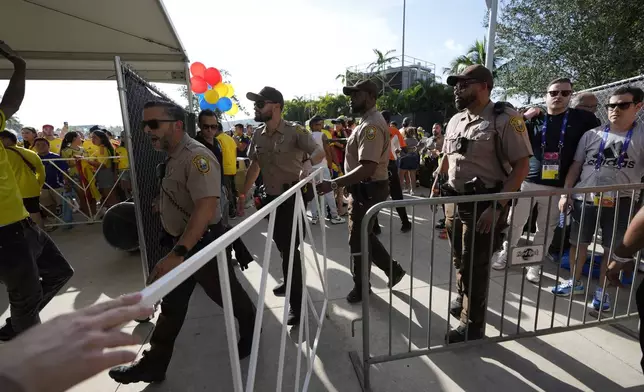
(213, 94)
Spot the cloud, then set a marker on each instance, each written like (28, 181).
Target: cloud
(452, 46)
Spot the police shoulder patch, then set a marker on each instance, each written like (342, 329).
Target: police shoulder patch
(370, 133)
(301, 129)
(518, 124)
(201, 163)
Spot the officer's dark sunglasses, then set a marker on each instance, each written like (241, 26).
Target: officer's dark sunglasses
(621, 105)
(154, 124)
(261, 104)
(465, 83)
(564, 93)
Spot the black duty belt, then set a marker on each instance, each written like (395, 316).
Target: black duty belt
(22, 224)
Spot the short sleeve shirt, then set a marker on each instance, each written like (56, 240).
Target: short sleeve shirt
(484, 133)
(370, 141)
(192, 173)
(280, 154)
(11, 204)
(632, 169)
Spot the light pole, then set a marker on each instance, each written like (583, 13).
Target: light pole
(492, 5)
(402, 78)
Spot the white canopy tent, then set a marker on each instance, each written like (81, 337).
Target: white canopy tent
(78, 39)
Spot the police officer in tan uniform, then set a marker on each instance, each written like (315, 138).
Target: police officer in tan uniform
(190, 212)
(367, 179)
(284, 151)
(487, 151)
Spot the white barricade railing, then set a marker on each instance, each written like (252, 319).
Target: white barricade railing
(84, 189)
(156, 291)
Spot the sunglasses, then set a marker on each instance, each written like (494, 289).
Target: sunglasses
(621, 105)
(461, 84)
(261, 104)
(206, 127)
(564, 93)
(154, 124)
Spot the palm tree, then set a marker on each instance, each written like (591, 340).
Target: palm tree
(342, 78)
(476, 54)
(382, 60)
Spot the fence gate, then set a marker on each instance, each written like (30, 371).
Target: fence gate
(134, 92)
(603, 94)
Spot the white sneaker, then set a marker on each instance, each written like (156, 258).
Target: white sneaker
(533, 274)
(500, 258)
(411, 192)
(314, 220)
(338, 220)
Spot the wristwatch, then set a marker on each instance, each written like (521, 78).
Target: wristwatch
(180, 250)
(334, 185)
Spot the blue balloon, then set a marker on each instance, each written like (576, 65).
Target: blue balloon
(203, 104)
(224, 104)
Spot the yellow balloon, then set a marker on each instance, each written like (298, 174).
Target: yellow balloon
(221, 89)
(233, 110)
(231, 91)
(211, 96)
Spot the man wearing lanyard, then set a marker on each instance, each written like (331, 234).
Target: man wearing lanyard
(554, 137)
(608, 155)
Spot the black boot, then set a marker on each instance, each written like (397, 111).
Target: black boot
(293, 317)
(6, 332)
(355, 295)
(456, 307)
(143, 370)
(398, 274)
(280, 290)
(458, 335)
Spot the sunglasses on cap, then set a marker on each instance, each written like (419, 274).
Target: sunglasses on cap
(155, 124)
(564, 93)
(261, 104)
(621, 105)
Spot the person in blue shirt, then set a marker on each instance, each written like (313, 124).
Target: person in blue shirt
(55, 180)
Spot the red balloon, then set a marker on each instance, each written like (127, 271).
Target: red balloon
(198, 85)
(198, 69)
(212, 76)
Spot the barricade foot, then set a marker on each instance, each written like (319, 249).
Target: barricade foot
(357, 363)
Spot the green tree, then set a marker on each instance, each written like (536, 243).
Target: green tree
(422, 96)
(328, 106)
(475, 54)
(594, 42)
(383, 59)
(14, 123)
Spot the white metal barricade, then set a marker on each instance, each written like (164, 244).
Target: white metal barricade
(84, 188)
(155, 292)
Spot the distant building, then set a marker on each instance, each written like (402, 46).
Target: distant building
(393, 76)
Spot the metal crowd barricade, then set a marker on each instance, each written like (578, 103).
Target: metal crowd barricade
(518, 256)
(84, 189)
(155, 292)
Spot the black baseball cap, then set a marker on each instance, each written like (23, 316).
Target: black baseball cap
(473, 72)
(339, 120)
(315, 119)
(363, 85)
(269, 94)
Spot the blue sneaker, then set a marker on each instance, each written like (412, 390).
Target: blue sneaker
(568, 287)
(597, 301)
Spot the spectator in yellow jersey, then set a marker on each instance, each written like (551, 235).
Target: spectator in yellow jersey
(71, 148)
(29, 172)
(54, 142)
(31, 267)
(105, 167)
(229, 161)
(29, 134)
(124, 168)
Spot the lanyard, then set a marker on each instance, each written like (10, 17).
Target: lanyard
(562, 134)
(622, 152)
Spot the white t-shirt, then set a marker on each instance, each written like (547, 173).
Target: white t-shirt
(632, 169)
(317, 136)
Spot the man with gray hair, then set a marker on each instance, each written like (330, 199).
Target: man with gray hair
(585, 101)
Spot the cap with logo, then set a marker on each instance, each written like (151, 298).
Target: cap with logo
(267, 94)
(475, 72)
(363, 85)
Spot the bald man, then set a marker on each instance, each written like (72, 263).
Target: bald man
(585, 101)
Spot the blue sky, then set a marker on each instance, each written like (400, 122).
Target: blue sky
(299, 48)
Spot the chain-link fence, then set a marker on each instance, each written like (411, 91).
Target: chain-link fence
(134, 92)
(603, 94)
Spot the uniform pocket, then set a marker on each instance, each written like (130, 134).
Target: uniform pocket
(449, 146)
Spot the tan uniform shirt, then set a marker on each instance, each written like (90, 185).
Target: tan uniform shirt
(281, 154)
(192, 173)
(480, 160)
(369, 142)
